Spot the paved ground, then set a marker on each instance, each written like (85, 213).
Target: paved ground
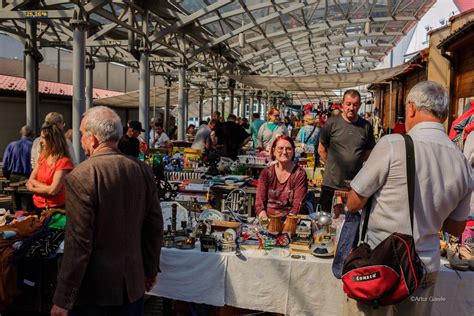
(153, 306)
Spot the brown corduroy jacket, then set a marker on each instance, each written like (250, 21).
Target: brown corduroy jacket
(114, 232)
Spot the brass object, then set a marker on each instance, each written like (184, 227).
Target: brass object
(290, 225)
(275, 226)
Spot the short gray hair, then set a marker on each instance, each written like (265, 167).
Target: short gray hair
(104, 123)
(430, 96)
(26, 131)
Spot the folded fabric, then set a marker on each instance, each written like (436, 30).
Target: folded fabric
(57, 221)
(3, 216)
(17, 245)
(47, 245)
(7, 234)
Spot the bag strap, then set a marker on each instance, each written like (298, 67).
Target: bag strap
(410, 153)
(311, 134)
(368, 207)
(410, 161)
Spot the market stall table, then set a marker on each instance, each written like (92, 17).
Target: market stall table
(6, 201)
(280, 285)
(20, 193)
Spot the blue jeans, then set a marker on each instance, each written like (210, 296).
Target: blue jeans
(127, 309)
(348, 240)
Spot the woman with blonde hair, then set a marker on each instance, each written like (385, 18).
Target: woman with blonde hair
(270, 130)
(309, 134)
(47, 179)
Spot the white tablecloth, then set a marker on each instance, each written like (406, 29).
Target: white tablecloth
(192, 276)
(281, 285)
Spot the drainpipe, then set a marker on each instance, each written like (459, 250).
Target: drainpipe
(452, 66)
(389, 102)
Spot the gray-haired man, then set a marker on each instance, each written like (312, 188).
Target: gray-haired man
(443, 186)
(114, 226)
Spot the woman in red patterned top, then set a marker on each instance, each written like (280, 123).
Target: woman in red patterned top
(47, 179)
(282, 187)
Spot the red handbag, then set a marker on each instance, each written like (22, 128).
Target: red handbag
(390, 272)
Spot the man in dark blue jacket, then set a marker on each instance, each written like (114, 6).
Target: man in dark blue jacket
(16, 158)
(16, 164)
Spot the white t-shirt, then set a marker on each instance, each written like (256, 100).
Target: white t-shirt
(201, 137)
(443, 185)
(161, 141)
(151, 137)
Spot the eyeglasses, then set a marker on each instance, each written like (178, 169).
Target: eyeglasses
(281, 149)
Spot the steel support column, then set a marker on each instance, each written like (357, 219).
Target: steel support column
(181, 102)
(265, 108)
(242, 105)
(223, 107)
(259, 103)
(166, 121)
(31, 74)
(80, 26)
(252, 102)
(231, 101)
(215, 96)
(186, 113)
(90, 65)
(201, 100)
(238, 106)
(144, 94)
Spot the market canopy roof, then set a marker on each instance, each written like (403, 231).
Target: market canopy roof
(265, 37)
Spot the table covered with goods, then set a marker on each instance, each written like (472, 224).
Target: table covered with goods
(217, 252)
(245, 266)
(284, 267)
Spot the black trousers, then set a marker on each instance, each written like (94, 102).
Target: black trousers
(325, 199)
(127, 309)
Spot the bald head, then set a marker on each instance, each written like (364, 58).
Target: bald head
(103, 122)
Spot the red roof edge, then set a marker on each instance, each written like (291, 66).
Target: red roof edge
(18, 84)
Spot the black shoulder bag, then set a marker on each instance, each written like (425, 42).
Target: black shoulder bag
(392, 271)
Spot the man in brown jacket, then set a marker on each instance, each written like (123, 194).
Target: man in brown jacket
(114, 227)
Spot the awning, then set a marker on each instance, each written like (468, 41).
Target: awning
(319, 82)
(157, 97)
(305, 89)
